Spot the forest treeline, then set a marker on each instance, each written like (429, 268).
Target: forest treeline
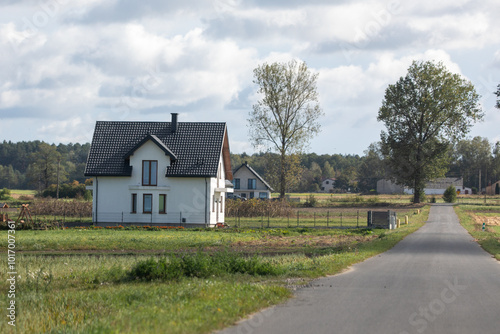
(38, 165)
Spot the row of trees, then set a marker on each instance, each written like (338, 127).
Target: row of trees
(425, 113)
(468, 158)
(37, 165)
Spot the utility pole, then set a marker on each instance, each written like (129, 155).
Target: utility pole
(479, 190)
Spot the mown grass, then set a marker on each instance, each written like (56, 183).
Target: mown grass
(99, 293)
(489, 239)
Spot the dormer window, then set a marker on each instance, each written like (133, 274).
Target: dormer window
(149, 172)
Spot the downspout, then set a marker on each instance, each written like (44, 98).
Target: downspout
(206, 202)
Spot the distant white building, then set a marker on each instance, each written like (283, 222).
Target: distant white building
(434, 187)
(328, 185)
(249, 184)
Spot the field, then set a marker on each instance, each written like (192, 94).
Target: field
(91, 280)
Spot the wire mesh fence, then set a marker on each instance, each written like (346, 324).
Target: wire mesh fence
(304, 218)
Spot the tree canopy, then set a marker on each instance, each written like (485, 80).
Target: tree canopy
(423, 113)
(286, 117)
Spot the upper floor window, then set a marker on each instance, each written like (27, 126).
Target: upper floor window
(252, 184)
(236, 183)
(149, 172)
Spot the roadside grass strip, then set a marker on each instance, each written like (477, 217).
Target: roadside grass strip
(472, 218)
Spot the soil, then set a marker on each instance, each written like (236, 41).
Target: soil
(268, 245)
(491, 221)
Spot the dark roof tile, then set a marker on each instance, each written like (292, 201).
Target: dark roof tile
(196, 146)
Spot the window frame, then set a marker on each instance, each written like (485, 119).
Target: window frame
(144, 203)
(252, 184)
(162, 202)
(134, 204)
(152, 172)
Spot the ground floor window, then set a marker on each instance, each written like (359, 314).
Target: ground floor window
(147, 203)
(252, 195)
(162, 205)
(263, 194)
(134, 203)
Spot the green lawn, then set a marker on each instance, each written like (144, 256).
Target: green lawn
(87, 293)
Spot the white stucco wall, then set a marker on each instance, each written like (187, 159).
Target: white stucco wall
(190, 200)
(244, 174)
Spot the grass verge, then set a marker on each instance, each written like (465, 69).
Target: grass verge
(489, 239)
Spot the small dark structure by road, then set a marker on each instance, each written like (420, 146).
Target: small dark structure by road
(382, 219)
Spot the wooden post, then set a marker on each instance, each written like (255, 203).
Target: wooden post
(399, 223)
(406, 220)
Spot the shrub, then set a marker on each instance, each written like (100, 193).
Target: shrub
(201, 265)
(4, 194)
(68, 190)
(450, 195)
(311, 201)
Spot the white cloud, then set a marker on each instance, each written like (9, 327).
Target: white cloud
(85, 60)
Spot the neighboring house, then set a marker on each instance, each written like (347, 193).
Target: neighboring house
(434, 187)
(493, 189)
(159, 172)
(328, 185)
(249, 184)
(4, 206)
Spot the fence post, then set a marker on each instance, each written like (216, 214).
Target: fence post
(288, 214)
(268, 215)
(327, 218)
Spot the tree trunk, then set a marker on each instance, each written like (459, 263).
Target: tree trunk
(282, 175)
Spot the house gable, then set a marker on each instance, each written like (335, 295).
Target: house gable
(244, 172)
(155, 140)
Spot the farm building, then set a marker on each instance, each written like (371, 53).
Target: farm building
(493, 189)
(328, 185)
(434, 187)
(159, 172)
(249, 184)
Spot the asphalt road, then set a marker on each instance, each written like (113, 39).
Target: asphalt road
(437, 280)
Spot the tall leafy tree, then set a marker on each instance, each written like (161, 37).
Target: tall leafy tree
(286, 117)
(45, 168)
(474, 155)
(423, 113)
(372, 168)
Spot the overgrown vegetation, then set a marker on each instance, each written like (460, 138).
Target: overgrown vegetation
(201, 265)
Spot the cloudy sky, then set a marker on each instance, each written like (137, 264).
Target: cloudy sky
(67, 63)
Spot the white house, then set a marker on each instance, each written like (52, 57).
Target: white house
(159, 172)
(249, 184)
(328, 185)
